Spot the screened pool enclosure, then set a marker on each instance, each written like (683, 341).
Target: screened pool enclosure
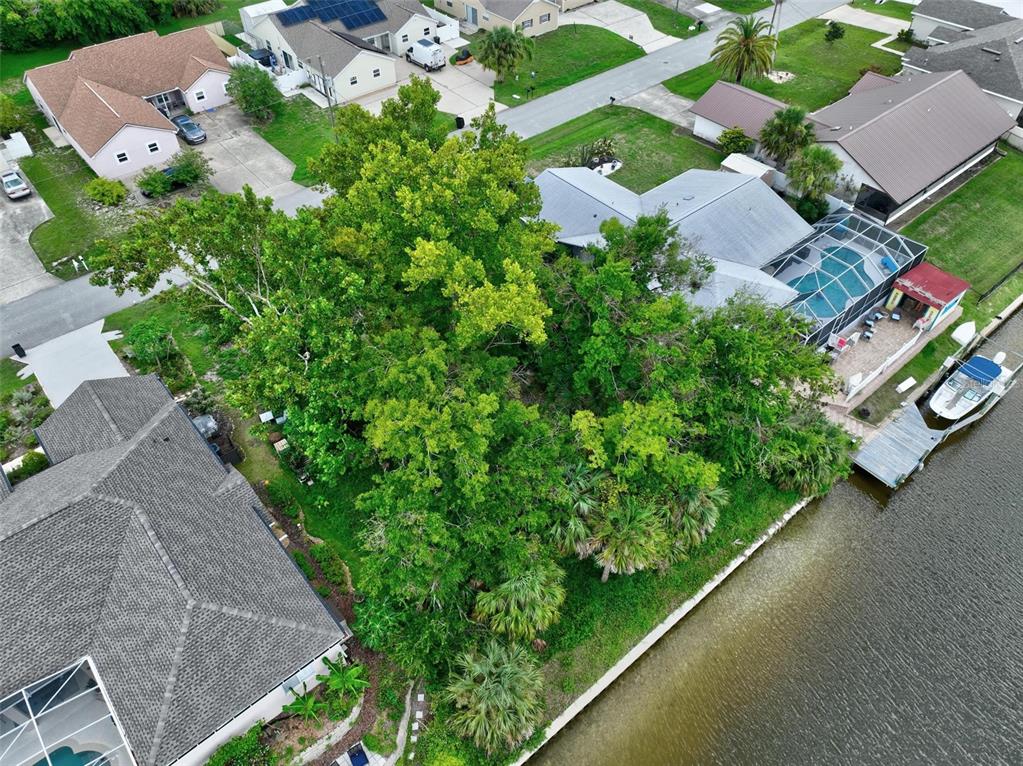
(62, 720)
(843, 269)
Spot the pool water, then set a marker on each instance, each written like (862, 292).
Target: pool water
(65, 756)
(829, 286)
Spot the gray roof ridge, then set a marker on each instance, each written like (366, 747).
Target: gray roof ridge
(233, 611)
(172, 680)
(583, 191)
(232, 479)
(702, 205)
(895, 107)
(129, 445)
(87, 385)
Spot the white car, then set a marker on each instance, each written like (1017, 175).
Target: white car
(14, 185)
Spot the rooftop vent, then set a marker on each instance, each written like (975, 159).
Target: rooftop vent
(687, 197)
(992, 51)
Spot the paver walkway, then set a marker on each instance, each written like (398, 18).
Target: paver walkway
(629, 79)
(661, 102)
(623, 20)
(859, 18)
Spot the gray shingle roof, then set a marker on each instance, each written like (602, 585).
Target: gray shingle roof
(147, 554)
(312, 41)
(729, 216)
(966, 13)
(910, 134)
(998, 73)
(507, 9)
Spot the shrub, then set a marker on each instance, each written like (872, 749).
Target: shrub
(193, 8)
(906, 36)
(191, 167)
(811, 210)
(834, 31)
(331, 563)
(243, 750)
(254, 92)
(151, 343)
(303, 563)
(106, 191)
(735, 141)
(31, 464)
(12, 116)
(154, 182)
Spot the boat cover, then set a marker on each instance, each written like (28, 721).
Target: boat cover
(982, 370)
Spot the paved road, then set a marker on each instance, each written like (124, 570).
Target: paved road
(629, 79)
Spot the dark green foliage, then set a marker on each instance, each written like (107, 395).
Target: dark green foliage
(12, 116)
(106, 191)
(192, 8)
(811, 210)
(31, 464)
(254, 92)
(29, 24)
(906, 35)
(331, 563)
(834, 31)
(151, 343)
(323, 591)
(303, 563)
(243, 750)
(734, 141)
(282, 497)
(191, 167)
(154, 182)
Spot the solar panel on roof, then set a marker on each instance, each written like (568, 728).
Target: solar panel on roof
(294, 16)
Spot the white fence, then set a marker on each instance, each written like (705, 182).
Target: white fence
(287, 81)
(854, 388)
(447, 27)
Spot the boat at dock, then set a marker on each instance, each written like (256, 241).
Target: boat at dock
(970, 386)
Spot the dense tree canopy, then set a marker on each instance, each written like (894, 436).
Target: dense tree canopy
(515, 404)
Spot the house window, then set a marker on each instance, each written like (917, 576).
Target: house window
(376, 72)
(121, 157)
(153, 147)
(544, 18)
(288, 62)
(527, 23)
(426, 31)
(450, 4)
(353, 81)
(200, 95)
(404, 38)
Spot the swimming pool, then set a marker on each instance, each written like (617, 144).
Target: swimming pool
(65, 756)
(825, 291)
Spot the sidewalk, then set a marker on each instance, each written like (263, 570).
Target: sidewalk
(629, 79)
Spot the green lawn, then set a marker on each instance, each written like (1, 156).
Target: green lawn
(743, 6)
(824, 71)
(892, 8)
(9, 380)
(301, 128)
(899, 45)
(974, 233)
(652, 150)
(58, 176)
(664, 19)
(14, 65)
(563, 57)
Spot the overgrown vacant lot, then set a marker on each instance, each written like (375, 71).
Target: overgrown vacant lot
(974, 233)
(824, 71)
(652, 150)
(563, 57)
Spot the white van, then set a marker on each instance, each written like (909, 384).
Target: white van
(427, 54)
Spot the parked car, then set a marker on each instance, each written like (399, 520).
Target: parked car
(188, 129)
(175, 183)
(14, 185)
(427, 54)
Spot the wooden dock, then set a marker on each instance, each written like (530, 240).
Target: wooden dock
(899, 449)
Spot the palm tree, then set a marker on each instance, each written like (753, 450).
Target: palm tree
(694, 517)
(815, 171)
(305, 706)
(524, 604)
(785, 133)
(570, 531)
(503, 49)
(744, 48)
(497, 693)
(628, 537)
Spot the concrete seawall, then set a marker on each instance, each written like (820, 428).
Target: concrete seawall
(657, 633)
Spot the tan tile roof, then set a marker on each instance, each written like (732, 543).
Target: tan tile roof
(100, 89)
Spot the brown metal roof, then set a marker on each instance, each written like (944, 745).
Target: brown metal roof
(914, 131)
(100, 89)
(734, 106)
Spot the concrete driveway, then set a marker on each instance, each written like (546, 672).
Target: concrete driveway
(623, 21)
(464, 90)
(239, 157)
(21, 273)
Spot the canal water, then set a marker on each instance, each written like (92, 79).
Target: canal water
(871, 630)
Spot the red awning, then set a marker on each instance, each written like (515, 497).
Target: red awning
(931, 286)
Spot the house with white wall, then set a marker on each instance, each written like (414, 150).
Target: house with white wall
(111, 101)
(150, 612)
(531, 17)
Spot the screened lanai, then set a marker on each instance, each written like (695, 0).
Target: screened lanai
(842, 270)
(62, 720)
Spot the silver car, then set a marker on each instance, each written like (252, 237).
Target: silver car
(14, 185)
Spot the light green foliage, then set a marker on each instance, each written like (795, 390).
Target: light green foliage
(503, 49)
(497, 695)
(150, 342)
(31, 464)
(12, 116)
(735, 141)
(254, 92)
(191, 167)
(306, 706)
(744, 49)
(526, 603)
(786, 133)
(341, 685)
(243, 750)
(106, 191)
(154, 182)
